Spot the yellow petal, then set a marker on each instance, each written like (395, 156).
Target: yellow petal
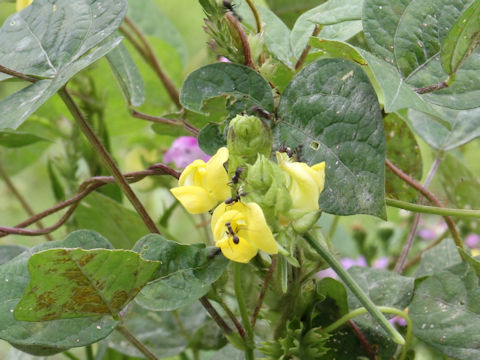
(303, 186)
(320, 170)
(242, 252)
(194, 199)
(23, 4)
(258, 231)
(193, 173)
(216, 176)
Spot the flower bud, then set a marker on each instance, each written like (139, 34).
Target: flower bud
(265, 185)
(247, 137)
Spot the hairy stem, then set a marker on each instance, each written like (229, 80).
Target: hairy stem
(135, 342)
(10, 185)
(416, 220)
(432, 88)
(215, 315)
(384, 309)
(243, 38)
(353, 286)
(17, 74)
(268, 277)
(152, 60)
(108, 160)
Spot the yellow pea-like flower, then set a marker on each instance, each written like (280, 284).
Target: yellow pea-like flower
(240, 230)
(304, 183)
(23, 4)
(203, 185)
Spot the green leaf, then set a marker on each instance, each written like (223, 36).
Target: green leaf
(186, 273)
(49, 337)
(404, 152)
(8, 252)
(462, 39)
(429, 265)
(339, 30)
(127, 75)
(385, 288)
(275, 33)
(336, 11)
(446, 313)
(158, 330)
(211, 138)
(122, 225)
(464, 127)
(331, 109)
(12, 139)
(407, 34)
(151, 21)
(233, 80)
(33, 32)
(82, 283)
(459, 183)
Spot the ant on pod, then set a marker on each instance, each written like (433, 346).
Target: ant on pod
(231, 8)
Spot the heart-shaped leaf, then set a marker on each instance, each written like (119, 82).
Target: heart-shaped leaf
(330, 109)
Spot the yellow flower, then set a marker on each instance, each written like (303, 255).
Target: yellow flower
(202, 185)
(240, 230)
(23, 4)
(304, 183)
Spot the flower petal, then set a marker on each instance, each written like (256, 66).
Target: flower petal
(194, 198)
(242, 252)
(216, 176)
(258, 230)
(303, 186)
(190, 175)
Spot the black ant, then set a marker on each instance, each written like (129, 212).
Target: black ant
(287, 150)
(235, 238)
(236, 176)
(291, 152)
(214, 253)
(230, 7)
(236, 198)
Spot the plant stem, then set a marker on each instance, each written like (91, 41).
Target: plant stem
(268, 277)
(353, 286)
(135, 342)
(256, 15)
(21, 199)
(243, 38)
(305, 51)
(89, 352)
(413, 183)
(152, 60)
(109, 162)
(333, 227)
(215, 315)
(161, 120)
(416, 220)
(17, 74)
(461, 213)
(242, 307)
(384, 309)
(232, 317)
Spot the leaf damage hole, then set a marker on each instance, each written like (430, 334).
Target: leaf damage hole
(314, 145)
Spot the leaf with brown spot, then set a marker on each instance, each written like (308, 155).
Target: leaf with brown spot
(87, 283)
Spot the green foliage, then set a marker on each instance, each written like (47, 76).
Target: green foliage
(48, 337)
(186, 273)
(314, 116)
(54, 63)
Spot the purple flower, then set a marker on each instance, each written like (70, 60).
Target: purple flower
(398, 320)
(472, 240)
(184, 151)
(381, 263)
(346, 264)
